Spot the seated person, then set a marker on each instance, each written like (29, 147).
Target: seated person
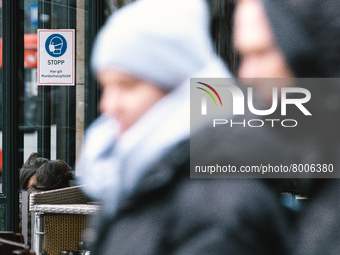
(39, 173)
(27, 176)
(54, 174)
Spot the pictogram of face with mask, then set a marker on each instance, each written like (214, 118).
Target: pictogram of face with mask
(56, 45)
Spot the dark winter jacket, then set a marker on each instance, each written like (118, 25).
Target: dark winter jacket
(314, 229)
(173, 214)
(170, 213)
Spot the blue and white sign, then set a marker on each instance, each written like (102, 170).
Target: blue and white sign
(56, 64)
(56, 45)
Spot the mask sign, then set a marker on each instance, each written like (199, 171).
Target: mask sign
(56, 57)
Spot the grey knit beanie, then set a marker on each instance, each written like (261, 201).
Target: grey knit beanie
(163, 41)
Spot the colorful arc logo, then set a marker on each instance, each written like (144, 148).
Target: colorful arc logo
(213, 90)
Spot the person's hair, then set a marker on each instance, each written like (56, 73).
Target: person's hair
(29, 168)
(54, 174)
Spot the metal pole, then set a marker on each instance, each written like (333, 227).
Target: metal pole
(13, 73)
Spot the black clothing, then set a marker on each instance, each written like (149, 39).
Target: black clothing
(313, 230)
(170, 213)
(317, 228)
(173, 214)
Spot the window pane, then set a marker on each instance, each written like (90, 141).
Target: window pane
(53, 120)
(31, 101)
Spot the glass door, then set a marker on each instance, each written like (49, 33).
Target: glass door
(48, 119)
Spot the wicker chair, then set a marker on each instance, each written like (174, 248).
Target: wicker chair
(59, 219)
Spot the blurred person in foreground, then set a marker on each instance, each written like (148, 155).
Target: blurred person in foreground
(301, 39)
(136, 155)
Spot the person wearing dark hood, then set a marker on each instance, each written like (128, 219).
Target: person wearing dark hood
(301, 39)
